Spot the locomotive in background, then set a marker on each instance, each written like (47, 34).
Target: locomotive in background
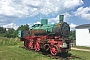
(49, 37)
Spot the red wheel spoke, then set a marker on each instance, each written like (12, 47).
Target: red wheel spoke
(37, 47)
(53, 50)
(30, 45)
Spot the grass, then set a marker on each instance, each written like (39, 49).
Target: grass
(81, 54)
(84, 55)
(16, 53)
(4, 41)
(9, 50)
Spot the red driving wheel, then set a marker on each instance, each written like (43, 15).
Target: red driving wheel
(37, 46)
(30, 45)
(54, 50)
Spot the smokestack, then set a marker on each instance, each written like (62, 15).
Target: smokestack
(61, 17)
(44, 21)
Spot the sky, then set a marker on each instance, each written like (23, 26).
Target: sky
(14, 13)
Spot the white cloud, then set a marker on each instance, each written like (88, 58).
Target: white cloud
(11, 25)
(37, 23)
(73, 3)
(11, 10)
(33, 7)
(83, 12)
(66, 16)
(56, 19)
(72, 26)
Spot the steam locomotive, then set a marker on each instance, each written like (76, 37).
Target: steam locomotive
(49, 37)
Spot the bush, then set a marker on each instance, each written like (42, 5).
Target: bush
(9, 41)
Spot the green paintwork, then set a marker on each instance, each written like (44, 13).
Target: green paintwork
(44, 21)
(19, 33)
(48, 27)
(61, 18)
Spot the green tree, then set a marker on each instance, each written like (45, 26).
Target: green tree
(23, 27)
(10, 33)
(2, 31)
(72, 35)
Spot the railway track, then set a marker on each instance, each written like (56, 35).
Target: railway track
(58, 57)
